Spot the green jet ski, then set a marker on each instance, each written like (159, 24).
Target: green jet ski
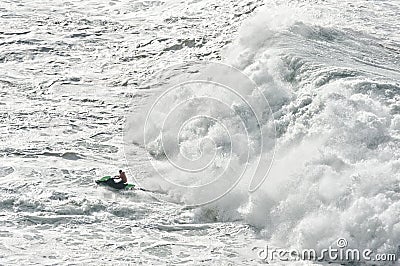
(108, 181)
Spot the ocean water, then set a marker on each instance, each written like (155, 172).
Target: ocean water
(321, 124)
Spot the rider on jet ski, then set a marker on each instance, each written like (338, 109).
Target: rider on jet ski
(120, 184)
(121, 176)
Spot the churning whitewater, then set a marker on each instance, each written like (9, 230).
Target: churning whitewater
(288, 138)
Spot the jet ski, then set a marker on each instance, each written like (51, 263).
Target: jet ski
(108, 181)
